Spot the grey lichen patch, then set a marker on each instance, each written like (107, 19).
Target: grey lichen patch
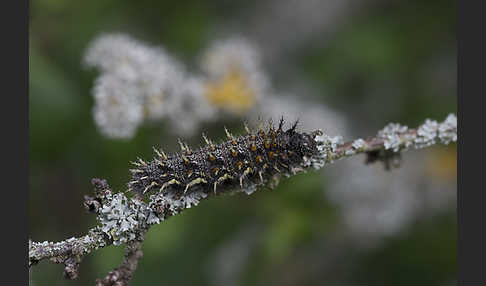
(71, 248)
(350, 152)
(37, 250)
(432, 132)
(327, 146)
(153, 218)
(397, 137)
(448, 130)
(426, 134)
(125, 220)
(95, 239)
(357, 146)
(391, 136)
(169, 203)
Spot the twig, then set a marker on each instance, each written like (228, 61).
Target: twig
(125, 221)
(122, 275)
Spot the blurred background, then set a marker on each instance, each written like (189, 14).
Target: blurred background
(110, 79)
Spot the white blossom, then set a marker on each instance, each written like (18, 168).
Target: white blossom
(141, 83)
(235, 54)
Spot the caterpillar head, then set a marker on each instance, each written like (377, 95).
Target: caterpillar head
(303, 143)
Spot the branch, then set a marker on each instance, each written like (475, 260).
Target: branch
(125, 221)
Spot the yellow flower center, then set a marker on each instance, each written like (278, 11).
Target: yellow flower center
(231, 93)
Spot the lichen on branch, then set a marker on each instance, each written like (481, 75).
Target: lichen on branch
(124, 220)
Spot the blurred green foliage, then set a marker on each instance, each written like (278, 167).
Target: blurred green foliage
(388, 46)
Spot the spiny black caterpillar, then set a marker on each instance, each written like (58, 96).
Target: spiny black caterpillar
(252, 159)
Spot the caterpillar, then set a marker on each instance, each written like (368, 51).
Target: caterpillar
(251, 159)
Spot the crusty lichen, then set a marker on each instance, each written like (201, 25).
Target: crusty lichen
(398, 137)
(426, 134)
(169, 203)
(327, 146)
(59, 252)
(392, 136)
(447, 131)
(356, 147)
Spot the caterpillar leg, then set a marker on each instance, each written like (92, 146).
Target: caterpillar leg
(195, 182)
(149, 187)
(245, 173)
(171, 182)
(220, 180)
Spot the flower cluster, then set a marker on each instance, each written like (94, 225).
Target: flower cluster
(236, 81)
(143, 83)
(140, 83)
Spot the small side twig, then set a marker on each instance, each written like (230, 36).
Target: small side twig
(122, 275)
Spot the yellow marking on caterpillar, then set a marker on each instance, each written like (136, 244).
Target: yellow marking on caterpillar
(194, 182)
(260, 126)
(239, 164)
(246, 127)
(181, 144)
(267, 144)
(159, 163)
(228, 134)
(150, 186)
(171, 182)
(163, 154)
(208, 142)
(136, 164)
(205, 139)
(186, 161)
(245, 173)
(188, 149)
(220, 180)
(157, 152)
